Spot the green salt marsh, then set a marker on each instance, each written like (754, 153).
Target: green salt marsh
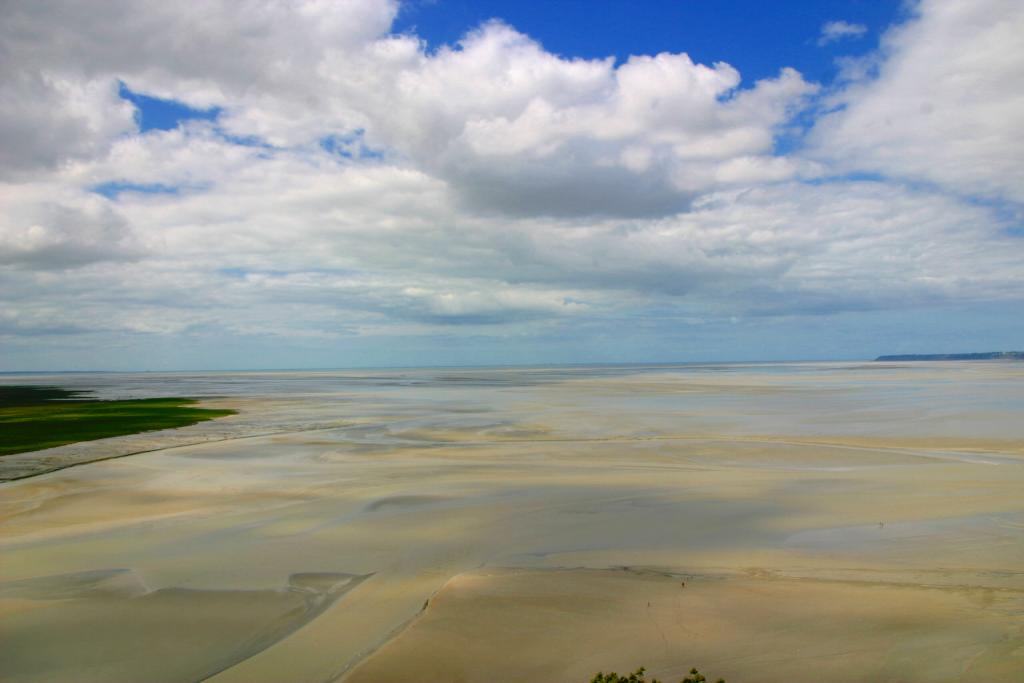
(36, 417)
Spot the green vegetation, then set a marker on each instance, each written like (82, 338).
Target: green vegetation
(33, 418)
(639, 676)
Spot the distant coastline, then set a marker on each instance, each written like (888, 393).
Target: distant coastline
(991, 355)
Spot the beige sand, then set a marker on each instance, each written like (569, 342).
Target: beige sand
(536, 625)
(851, 543)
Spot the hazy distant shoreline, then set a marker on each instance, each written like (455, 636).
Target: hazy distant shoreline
(989, 355)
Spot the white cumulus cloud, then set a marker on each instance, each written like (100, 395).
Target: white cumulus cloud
(945, 106)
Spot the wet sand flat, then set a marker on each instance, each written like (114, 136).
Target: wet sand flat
(831, 521)
(109, 626)
(565, 625)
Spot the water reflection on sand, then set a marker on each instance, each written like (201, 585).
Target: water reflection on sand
(814, 510)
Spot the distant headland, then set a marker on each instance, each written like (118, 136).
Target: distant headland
(991, 355)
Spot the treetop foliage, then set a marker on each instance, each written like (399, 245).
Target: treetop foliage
(640, 676)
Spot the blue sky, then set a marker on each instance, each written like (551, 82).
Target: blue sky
(758, 38)
(155, 113)
(454, 182)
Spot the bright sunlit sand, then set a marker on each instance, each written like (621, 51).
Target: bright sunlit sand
(834, 522)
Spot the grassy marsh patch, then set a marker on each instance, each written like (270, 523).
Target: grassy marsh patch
(33, 418)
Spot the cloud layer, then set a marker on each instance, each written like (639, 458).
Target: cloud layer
(358, 184)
